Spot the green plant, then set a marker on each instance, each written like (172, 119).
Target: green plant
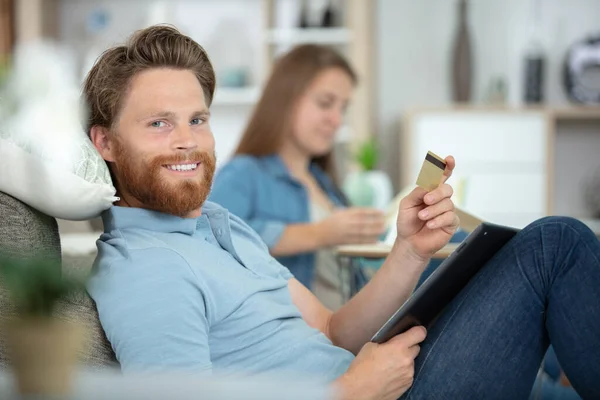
(367, 155)
(36, 285)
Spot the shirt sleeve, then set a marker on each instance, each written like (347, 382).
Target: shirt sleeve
(234, 189)
(153, 312)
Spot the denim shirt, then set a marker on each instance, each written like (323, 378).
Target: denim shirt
(261, 191)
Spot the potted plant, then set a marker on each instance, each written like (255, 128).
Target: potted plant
(42, 348)
(368, 186)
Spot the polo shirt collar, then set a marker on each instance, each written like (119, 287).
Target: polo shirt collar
(121, 218)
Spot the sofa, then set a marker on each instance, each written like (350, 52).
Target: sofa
(25, 232)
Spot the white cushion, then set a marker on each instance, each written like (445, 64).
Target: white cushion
(51, 189)
(46, 160)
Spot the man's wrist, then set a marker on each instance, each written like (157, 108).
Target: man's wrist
(403, 252)
(343, 388)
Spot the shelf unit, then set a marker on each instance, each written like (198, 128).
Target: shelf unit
(324, 36)
(354, 39)
(580, 113)
(6, 29)
(35, 19)
(38, 18)
(552, 152)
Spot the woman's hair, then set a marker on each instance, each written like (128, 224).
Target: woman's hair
(273, 116)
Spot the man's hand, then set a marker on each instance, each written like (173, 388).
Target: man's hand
(352, 226)
(426, 221)
(382, 371)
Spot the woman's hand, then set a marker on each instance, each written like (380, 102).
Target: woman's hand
(352, 226)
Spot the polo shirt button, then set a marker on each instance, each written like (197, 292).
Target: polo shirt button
(218, 214)
(218, 232)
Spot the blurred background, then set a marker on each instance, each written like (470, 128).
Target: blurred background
(510, 88)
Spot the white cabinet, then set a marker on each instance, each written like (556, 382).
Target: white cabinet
(503, 158)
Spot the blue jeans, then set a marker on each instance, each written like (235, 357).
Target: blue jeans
(543, 287)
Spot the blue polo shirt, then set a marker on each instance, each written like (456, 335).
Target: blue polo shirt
(262, 192)
(199, 295)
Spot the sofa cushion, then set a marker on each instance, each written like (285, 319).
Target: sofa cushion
(81, 309)
(25, 232)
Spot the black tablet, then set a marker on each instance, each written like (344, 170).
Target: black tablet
(444, 284)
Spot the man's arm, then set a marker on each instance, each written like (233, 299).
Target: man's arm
(426, 222)
(357, 321)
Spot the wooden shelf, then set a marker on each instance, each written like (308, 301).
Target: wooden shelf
(325, 36)
(566, 113)
(381, 250)
(577, 113)
(354, 39)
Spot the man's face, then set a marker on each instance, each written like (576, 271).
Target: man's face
(162, 148)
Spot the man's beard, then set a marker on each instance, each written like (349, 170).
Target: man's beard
(143, 179)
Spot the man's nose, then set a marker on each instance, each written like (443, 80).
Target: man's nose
(184, 138)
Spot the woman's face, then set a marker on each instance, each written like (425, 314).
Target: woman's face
(320, 112)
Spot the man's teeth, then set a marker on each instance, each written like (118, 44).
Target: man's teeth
(183, 167)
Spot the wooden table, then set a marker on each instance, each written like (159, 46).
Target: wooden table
(381, 250)
(349, 258)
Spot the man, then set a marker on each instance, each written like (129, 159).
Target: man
(182, 284)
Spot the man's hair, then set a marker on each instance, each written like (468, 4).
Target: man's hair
(158, 46)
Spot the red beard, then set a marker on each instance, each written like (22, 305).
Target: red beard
(142, 179)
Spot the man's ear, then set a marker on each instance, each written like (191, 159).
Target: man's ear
(102, 141)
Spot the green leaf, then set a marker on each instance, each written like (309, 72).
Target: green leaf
(367, 155)
(36, 285)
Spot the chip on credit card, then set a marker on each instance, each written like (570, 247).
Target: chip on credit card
(432, 172)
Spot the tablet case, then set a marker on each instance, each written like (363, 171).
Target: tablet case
(445, 283)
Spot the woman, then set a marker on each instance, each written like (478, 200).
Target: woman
(281, 179)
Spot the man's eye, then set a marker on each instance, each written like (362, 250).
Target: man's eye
(196, 121)
(158, 124)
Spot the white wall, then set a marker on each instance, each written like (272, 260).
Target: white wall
(414, 40)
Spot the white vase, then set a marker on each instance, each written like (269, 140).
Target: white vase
(369, 189)
(287, 14)
(382, 188)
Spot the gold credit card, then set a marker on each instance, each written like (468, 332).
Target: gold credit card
(432, 172)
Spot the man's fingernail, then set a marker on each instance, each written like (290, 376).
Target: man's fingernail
(431, 224)
(429, 198)
(424, 214)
